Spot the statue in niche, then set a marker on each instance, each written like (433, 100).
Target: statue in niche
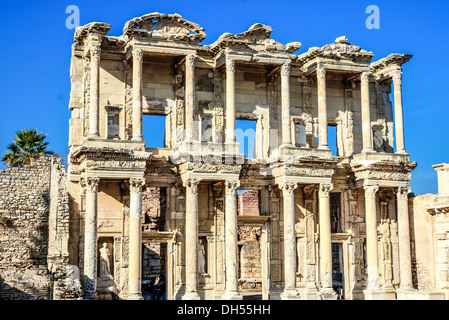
(105, 262)
(201, 257)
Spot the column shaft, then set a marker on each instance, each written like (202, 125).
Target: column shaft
(371, 237)
(288, 189)
(231, 240)
(398, 114)
(90, 238)
(230, 101)
(95, 54)
(191, 239)
(137, 95)
(190, 96)
(286, 118)
(135, 239)
(405, 264)
(322, 109)
(325, 238)
(366, 114)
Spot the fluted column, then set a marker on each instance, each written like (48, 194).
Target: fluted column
(231, 241)
(191, 239)
(405, 263)
(190, 95)
(367, 134)
(286, 118)
(137, 94)
(325, 239)
(135, 239)
(322, 109)
(371, 237)
(90, 238)
(230, 101)
(288, 189)
(398, 114)
(95, 56)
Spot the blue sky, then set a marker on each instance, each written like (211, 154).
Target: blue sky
(36, 47)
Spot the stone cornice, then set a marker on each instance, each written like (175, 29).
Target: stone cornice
(98, 28)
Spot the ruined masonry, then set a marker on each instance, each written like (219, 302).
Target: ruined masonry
(198, 217)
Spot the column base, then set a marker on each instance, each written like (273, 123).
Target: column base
(191, 296)
(364, 150)
(328, 294)
(134, 297)
(401, 152)
(290, 295)
(379, 294)
(137, 138)
(323, 148)
(231, 295)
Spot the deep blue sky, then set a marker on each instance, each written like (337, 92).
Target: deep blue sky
(36, 47)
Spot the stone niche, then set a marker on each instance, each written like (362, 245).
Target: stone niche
(154, 203)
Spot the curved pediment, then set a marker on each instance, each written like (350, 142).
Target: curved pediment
(163, 26)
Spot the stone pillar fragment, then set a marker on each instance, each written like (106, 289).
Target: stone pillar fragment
(289, 292)
(325, 242)
(135, 239)
(405, 264)
(95, 56)
(137, 95)
(90, 238)
(190, 96)
(398, 114)
(286, 119)
(191, 239)
(366, 114)
(231, 292)
(322, 109)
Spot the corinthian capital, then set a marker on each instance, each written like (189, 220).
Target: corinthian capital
(364, 76)
(231, 186)
(90, 184)
(190, 60)
(288, 188)
(191, 186)
(95, 52)
(403, 193)
(325, 189)
(137, 55)
(285, 69)
(397, 78)
(370, 191)
(136, 185)
(230, 65)
(321, 73)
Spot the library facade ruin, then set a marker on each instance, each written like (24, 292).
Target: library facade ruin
(202, 220)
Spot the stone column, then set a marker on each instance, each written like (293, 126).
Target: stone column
(289, 292)
(286, 119)
(398, 114)
(230, 101)
(405, 264)
(325, 241)
(95, 55)
(367, 134)
(135, 239)
(231, 240)
(191, 240)
(322, 109)
(371, 237)
(137, 94)
(90, 238)
(190, 95)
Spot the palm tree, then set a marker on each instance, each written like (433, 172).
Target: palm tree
(27, 147)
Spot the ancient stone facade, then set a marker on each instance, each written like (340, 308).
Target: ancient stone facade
(323, 226)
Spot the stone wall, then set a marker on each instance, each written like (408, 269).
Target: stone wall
(31, 202)
(248, 203)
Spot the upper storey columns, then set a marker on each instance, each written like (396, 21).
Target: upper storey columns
(230, 101)
(322, 109)
(190, 95)
(367, 136)
(285, 97)
(95, 55)
(398, 113)
(137, 94)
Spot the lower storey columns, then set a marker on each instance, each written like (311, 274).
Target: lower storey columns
(231, 292)
(327, 291)
(191, 240)
(135, 239)
(90, 238)
(289, 292)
